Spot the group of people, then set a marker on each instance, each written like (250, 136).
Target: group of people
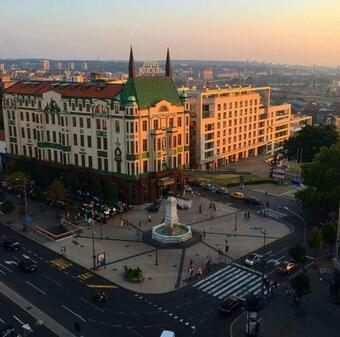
(199, 270)
(247, 215)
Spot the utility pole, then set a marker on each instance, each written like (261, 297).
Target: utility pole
(156, 262)
(92, 232)
(235, 227)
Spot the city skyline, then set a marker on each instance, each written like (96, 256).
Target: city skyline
(246, 30)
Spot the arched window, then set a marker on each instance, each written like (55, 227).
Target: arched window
(163, 108)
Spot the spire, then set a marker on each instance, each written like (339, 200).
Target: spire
(168, 68)
(132, 67)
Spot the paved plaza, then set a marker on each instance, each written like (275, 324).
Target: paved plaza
(164, 269)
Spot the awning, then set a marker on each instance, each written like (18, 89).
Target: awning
(166, 181)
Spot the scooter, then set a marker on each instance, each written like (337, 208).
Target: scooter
(100, 297)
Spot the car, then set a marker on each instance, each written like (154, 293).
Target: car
(209, 187)
(187, 188)
(222, 190)
(11, 245)
(237, 195)
(287, 267)
(230, 305)
(26, 264)
(252, 200)
(253, 259)
(167, 333)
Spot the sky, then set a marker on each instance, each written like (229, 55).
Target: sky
(277, 31)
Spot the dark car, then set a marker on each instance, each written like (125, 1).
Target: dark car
(230, 305)
(252, 201)
(11, 245)
(28, 265)
(287, 267)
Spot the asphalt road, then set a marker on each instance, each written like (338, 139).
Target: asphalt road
(12, 315)
(64, 290)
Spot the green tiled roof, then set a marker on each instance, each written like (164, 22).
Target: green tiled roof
(150, 90)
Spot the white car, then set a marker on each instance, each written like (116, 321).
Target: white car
(167, 333)
(253, 259)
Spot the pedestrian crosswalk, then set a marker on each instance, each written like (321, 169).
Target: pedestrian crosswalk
(272, 213)
(233, 279)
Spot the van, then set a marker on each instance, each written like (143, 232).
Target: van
(167, 333)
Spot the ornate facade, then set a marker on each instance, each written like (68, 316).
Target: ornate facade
(133, 137)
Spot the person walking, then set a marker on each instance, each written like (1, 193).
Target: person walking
(149, 217)
(200, 208)
(191, 271)
(140, 224)
(204, 234)
(201, 235)
(214, 205)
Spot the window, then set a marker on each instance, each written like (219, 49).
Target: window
(81, 122)
(179, 121)
(179, 139)
(83, 160)
(53, 119)
(49, 155)
(21, 116)
(89, 141)
(171, 122)
(158, 144)
(55, 155)
(105, 143)
(29, 133)
(23, 132)
(54, 134)
(65, 106)
(75, 140)
(104, 124)
(106, 165)
(100, 164)
(145, 166)
(34, 134)
(144, 126)
(48, 135)
(82, 143)
(117, 126)
(90, 161)
(27, 116)
(99, 143)
(155, 124)
(46, 119)
(76, 159)
(88, 110)
(74, 122)
(98, 124)
(88, 122)
(145, 145)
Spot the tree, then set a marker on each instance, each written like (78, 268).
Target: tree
(322, 180)
(329, 231)
(316, 240)
(301, 285)
(17, 178)
(57, 191)
(298, 253)
(309, 141)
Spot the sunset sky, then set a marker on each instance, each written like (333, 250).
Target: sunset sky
(279, 31)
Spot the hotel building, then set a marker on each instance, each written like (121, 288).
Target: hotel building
(132, 138)
(230, 123)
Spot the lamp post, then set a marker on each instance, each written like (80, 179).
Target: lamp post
(235, 227)
(303, 221)
(92, 234)
(156, 262)
(264, 233)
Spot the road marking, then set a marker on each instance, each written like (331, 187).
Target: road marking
(52, 280)
(2, 272)
(135, 332)
(11, 262)
(35, 287)
(85, 276)
(2, 321)
(107, 286)
(267, 253)
(75, 314)
(93, 305)
(10, 270)
(61, 263)
(19, 320)
(279, 252)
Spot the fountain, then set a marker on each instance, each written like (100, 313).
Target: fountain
(171, 231)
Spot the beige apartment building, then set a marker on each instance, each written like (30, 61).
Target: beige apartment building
(230, 123)
(132, 138)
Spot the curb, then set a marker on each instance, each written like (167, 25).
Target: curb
(33, 311)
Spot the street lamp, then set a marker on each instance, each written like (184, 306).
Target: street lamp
(303, 221)
(235, 227)
(156, 262)
(264, 233)
(92, 234)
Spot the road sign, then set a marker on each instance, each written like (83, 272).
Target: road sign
(29, 218)
(101, 260)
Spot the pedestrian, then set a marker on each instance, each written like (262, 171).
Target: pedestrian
(121, 222)
(149, 217)
(214, 207)
(201, 235)
(199, 272)
(267, 204)
(191, 271)
(140, 224)
(200, 208)
(248, 215)
(204, 234)
(191, 262)
(210, 204)
(245, 215)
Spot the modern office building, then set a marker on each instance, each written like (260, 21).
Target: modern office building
(230, 123)
(298, 122)
(132, 138)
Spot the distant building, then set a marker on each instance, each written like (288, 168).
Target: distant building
(84, 66)
(231, 123)
(59, 66)
(71, 66)
(298, 122)
(38, 65)
(2, 68)
(131, 139)
(207, 74)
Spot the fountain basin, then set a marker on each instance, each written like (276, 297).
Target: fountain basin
(179, 233)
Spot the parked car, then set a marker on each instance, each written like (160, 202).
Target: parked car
(287, 267)
(252, 201)
(209, 187)
(237, 195)
(253, 259)
(230, 305)
(10, 245)
(222, 190)
(187, 188)
(26, 264)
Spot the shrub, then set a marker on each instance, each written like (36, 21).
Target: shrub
(133, 274)
(7, 207)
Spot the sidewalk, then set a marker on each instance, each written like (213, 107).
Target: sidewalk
(317, 316)
(49, 323)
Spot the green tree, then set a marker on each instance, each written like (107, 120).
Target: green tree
(298, 253)
(309, 141)
(329, 231)
(301, 285)
(322, 180)
(316, 240)
(17, 178)
(57, 190)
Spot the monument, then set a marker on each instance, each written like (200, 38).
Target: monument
(171, 230)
